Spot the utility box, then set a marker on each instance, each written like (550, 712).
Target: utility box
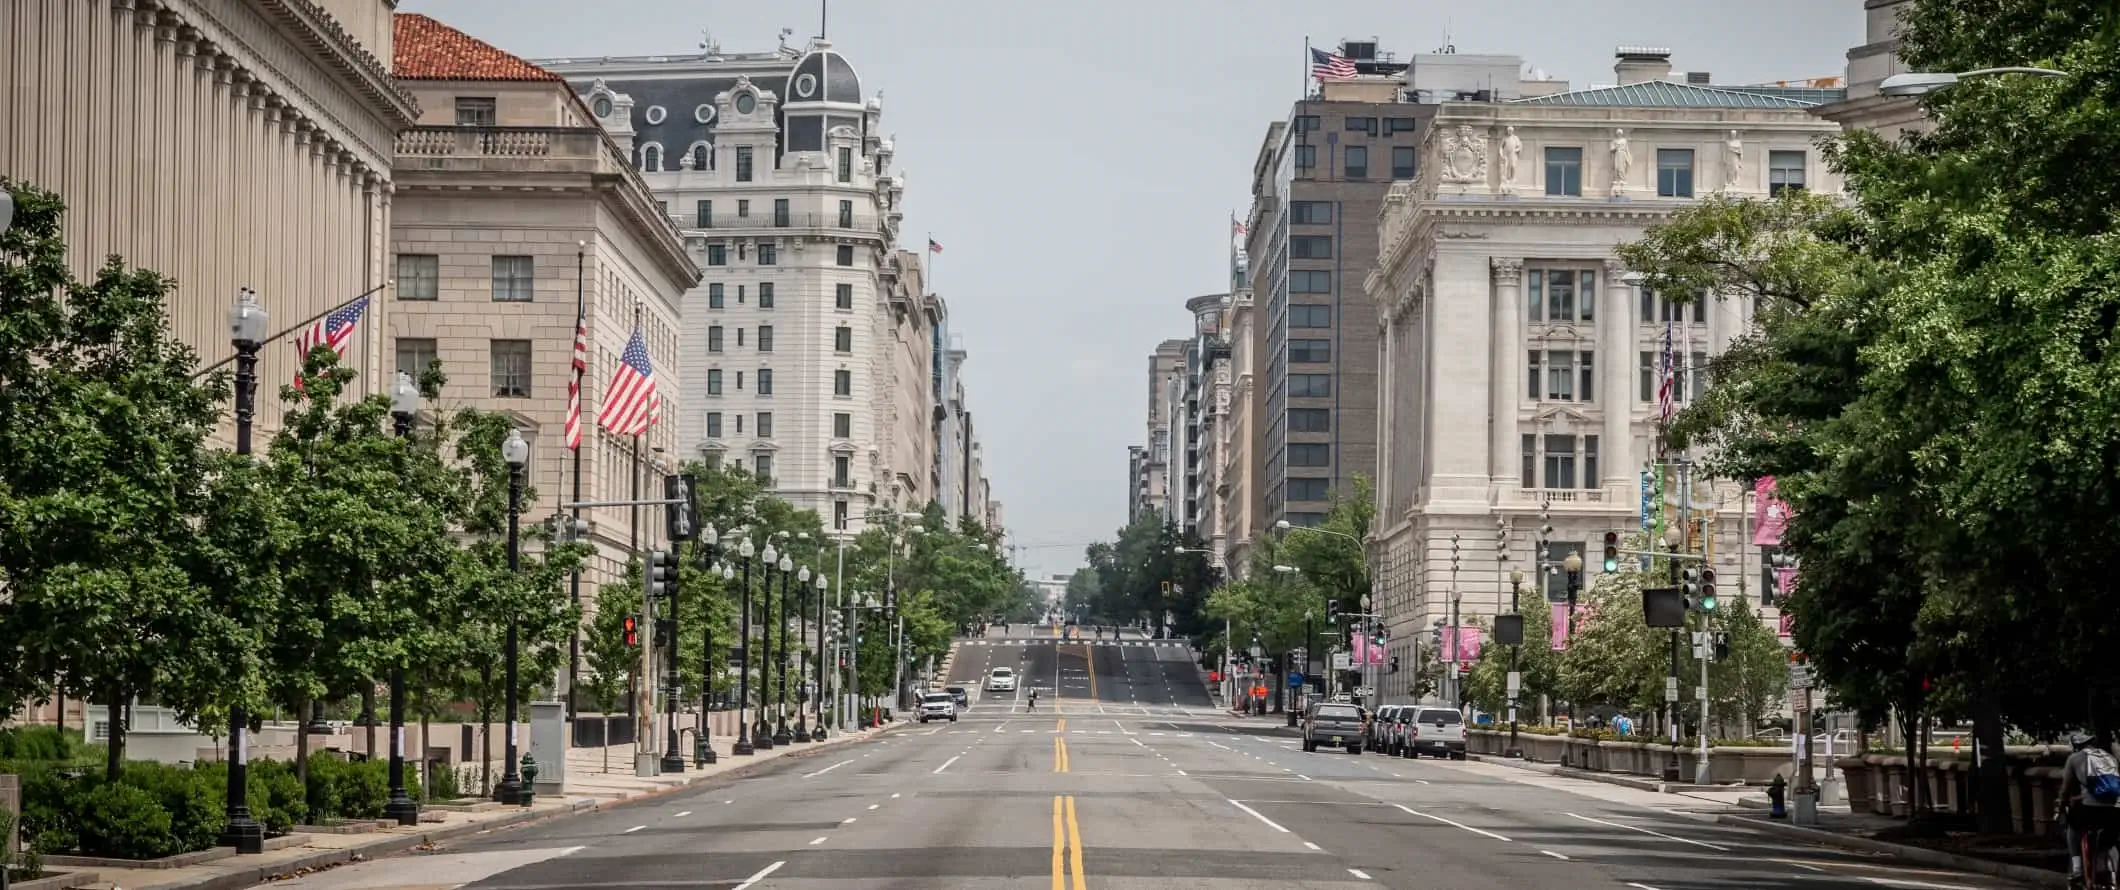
(647, 764)
(548, 743)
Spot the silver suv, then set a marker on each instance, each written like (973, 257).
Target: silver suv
(938, 706)
(1437, 731)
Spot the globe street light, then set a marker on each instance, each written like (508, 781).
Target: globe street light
(7, 211)
(817, 677)
(781, 735)
(1516, 591)
(517, 453)
(247, 323)
(404, 407)
(743, 747)
(801, 731)
(1922, 83)
(709, 542)
(762, 729)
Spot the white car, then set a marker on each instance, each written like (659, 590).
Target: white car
(938, 706)
(1001, 680)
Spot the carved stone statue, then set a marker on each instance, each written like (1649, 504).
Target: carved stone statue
(1622, 162)
(1464, 156)
(1733, 162)
(1512, 149)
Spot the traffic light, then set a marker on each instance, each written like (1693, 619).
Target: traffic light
(1690, 586)
(1332, 610)
(1611, 552)
(666, 629)
(632, 624)
(661, 572)
(1722, 645)
(1707, 590)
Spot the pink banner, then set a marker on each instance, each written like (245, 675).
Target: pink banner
(1560, 626)
(1467, 638)
(1784, 582)
(1786, 624)
(1365, 652)
(1770, 514)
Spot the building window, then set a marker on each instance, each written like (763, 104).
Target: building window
(842, 471)
(713, 381)
(842, 339)
(1310, 213)
(1306, 123)
(1301, 315)
(1698, 369)
(1309, 386)
(1560, 461)
(1399, 125)
(739, 336)
(1309, 420)
(1785, 171)
(1405, 163)
(1530, 469)
(511, 369)
(839, 515)
(475, 112)
(762, 467)
(765, 338)
(739, 381)
(1590, 479)
(768, 254)
(765, 423)
(765, 381)
(513, 279)
(842, 425)
(1309, 281)
(1656, 308)
(1357, 162)
(1567, 373)
(1306, 157)
(703, 214)
(1560, 296)
(1362, 125)
(714, 338)
(1674, 172)
(717, 254)
(713, 424)
(780, 213)
(651, 158)
(419, 276)
(743, 163)
(1564, 172)
(1310, 247)
(846, 214)
(845, 255)
(415, 355)
(743, 208)
(1309, 454)
(1300, 489)
(765, 295)
(846, 163)
(843, 383)
(714, 296)
(1309, 351)
(843, 296)
(702, 159)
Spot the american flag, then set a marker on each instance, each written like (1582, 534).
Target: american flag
(574, 383)
(631, 403)
(335, 330)
(1235, 226)
(934, 246)
(1667, 390)
(1329, 66)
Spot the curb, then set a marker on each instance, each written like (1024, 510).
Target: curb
(2025, 874)
(1638, 783)
(396, 844)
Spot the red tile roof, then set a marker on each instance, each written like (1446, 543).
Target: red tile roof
(426, 49)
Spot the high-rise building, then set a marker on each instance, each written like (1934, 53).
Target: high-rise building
(1195, 461)
(1236, 449)
(1864, 108)
(1166, 398)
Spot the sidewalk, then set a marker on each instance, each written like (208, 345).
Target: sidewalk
(588, 788)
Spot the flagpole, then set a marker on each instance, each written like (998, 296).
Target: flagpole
(574, 582)
(298, 326)
(1306, 66)
(928, 264)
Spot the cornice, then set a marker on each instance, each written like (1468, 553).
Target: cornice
(310, 26)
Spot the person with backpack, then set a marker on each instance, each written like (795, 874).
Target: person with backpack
(2090, 789)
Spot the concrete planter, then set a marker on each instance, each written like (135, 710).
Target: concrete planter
(180, 860)
(57, 880)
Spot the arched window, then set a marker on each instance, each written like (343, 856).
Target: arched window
(702, 158)
(651, 158)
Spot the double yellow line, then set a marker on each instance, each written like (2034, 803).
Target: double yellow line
(1060, 758)
(1067, 845)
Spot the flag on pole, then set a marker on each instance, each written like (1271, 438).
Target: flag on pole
(1667, 389)
(631, 403)
(335, 330)
(574, 382)
(1329, 66)
(1236, 226)
(934, 246)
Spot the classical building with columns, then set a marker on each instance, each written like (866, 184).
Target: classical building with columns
(1519, 365)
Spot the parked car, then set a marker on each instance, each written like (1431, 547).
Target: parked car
(1334, 724)
(938, 706)
(1387, 732)
(1438, 731)
(1001, 680)
(960, 696)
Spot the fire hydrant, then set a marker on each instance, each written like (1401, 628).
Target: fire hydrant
(1778, 798)
(529, 771)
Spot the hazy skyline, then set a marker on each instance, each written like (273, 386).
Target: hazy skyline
(1079, 163)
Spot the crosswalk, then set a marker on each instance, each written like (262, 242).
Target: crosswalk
(1047, 641)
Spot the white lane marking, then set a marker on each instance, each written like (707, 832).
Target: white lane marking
(1183, 773)
(1422, 781)
(894, 796)
(1454, 824)
(1555, 855)
(728, 801)
(1310, 845)
(816, 841)
(825, 770)
(760, 876)
(1668, 837)
(1260, 816)
(683, 814)
(875, 805)
(1359, 873)
(1635, 886)
(633, 829)
(945, 765)
(1303, 777)
(848, 819)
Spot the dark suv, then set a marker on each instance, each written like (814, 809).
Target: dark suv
(1334, 724)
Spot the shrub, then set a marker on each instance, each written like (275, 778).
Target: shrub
(275, 796)
(122, 821)
(348, 789)
(39, 743)
(195, 799)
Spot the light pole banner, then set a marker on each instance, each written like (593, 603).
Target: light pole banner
(1771, 514)
(1462, 638)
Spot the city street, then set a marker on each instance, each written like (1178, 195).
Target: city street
(1122, 789)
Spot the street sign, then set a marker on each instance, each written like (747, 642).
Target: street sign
(1516, 683)
(1799, 676)
(1799, 700)
(1295, 680)
(1342, 661)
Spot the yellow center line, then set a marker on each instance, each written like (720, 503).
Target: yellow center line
(1060, 758)
(1092, 666)
(1074, 845)
(1059, 846)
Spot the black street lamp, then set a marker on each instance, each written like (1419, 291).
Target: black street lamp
(743, 747)
(781, 735)
(762, 728)
(673, 759)
(517, 453)
(404, 405)
(817, 679)
(246, 330)
(7, 210)
(709, 541)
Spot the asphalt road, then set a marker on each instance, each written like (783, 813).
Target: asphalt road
(1184, 798)
(1129, 676)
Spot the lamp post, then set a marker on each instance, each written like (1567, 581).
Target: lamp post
(404, 406)
(817, 678)
(781, 735)
(7, 211)
(1922, 83)
(1515, 689)
(246, 331)
(709, 541)
(517, 453)
(1309, 638)
(1573, 565)
(801, 731)
(743, 748)
(762, 728)
(673, 759)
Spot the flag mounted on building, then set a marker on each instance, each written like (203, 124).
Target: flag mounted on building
(574, 382)
(1329, 66)
(631, 402)
(334, 329)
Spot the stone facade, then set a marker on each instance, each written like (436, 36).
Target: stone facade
(1868, 65)
(1520, 363)
(1165, 421)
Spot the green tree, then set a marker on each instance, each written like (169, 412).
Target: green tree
(1487, 683)
(611, 661)
(1744, 687)
(1332, 557)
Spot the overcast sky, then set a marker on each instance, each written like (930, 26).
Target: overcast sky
(1079, 161)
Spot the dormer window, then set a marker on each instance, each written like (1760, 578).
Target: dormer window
(746, 102)
(602, 107)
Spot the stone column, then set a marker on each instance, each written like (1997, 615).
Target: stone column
(1507, 388)
(1460, 320)
(1389, 388)
(1617, 323)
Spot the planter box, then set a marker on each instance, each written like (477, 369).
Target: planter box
(58, 880)
(178, 861)
(357, 826)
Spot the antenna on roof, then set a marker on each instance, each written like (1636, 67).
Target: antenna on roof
(1447, 47)
(824, 16)
(786, 33)
(706, 42)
